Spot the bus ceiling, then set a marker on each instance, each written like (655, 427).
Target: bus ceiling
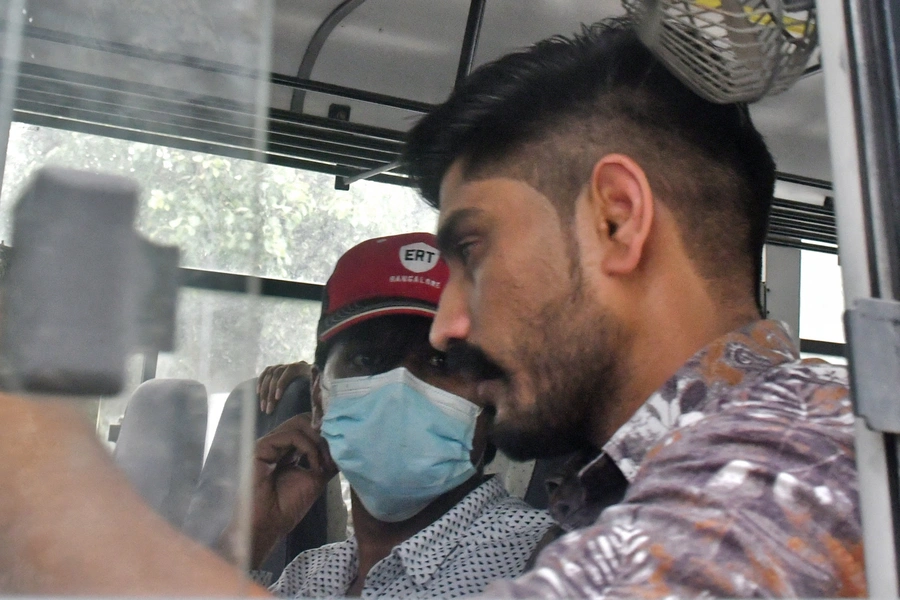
(348, 78)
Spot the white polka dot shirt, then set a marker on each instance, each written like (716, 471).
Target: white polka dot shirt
(487, 536)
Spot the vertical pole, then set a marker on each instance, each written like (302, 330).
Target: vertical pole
(9, 74)
(845, 89)
(782, 293)
(470, 40)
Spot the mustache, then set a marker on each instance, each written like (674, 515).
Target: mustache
(471, 359)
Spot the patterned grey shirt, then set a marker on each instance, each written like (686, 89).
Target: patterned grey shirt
(488, 535)
(741, 481)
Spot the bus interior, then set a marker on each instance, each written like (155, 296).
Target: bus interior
(264, 136)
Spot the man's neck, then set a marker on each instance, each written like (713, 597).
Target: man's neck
(376, 539)
(670, 330)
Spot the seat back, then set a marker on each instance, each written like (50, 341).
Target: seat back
(160, 445)
(212, 507)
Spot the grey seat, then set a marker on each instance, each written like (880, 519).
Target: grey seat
(213, 503)
(160, 445)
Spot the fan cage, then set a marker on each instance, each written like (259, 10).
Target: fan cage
(729, 50)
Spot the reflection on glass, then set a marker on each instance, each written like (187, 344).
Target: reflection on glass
(226, 214)
(133, 68)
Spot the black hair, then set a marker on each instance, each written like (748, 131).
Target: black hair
(546, 114)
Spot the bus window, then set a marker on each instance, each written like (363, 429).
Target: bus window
(821, 306)
(207, 204)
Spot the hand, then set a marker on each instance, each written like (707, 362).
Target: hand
(274, 380)
(292, 466)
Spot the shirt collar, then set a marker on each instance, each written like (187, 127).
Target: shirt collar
(724, 363)
(423, 554)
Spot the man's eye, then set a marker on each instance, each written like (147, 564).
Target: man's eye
(364, 360)
(464, 250)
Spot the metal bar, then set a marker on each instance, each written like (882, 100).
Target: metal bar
(808, 181)
(376, 171)
(470, 40)
(295, 163)
(108, 85)
(821, 347)
(803, 233)
(131, 51)
(193, 62)
(802, 223)
(350, 93)
(49, 78)
(804, 216)
(285, 144)
(121, 99)
(874, 463)
(195, 146)
(795, 243)
(379, 133)
(123, 133)
(140, 119)
(12, 47)
(148, 368)
(238, 284)
(314, 47)
(827, 209)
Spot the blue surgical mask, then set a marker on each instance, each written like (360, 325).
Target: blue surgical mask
(399, 441)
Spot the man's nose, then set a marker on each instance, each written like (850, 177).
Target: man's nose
(452, 319)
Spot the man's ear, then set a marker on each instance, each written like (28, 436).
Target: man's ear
(622, 208)
(315, 392)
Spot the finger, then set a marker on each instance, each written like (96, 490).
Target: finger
(291, 439)
(262, 385)
(262, 377)
(291, 372)
(288, 449)
(268, 394)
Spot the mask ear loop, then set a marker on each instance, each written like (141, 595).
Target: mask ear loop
(325, 390)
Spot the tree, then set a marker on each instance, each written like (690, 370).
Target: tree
(228, 215)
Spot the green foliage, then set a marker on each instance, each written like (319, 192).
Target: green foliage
(234, 216)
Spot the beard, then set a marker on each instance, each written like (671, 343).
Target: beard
(574, 373)
(570, 355)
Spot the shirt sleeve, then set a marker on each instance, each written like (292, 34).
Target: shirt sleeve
(741, 503)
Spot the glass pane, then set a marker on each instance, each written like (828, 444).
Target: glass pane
(211, 330)
(212, 206)
(821, 297)
(167, 68)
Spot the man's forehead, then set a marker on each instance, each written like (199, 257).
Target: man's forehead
(453, 180)
(387, 330)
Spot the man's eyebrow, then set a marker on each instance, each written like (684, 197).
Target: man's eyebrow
(448, 232)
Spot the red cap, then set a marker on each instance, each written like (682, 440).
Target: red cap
(396, 275)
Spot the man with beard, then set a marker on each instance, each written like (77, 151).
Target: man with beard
(604, 229)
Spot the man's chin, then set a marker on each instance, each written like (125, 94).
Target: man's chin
(527, 441)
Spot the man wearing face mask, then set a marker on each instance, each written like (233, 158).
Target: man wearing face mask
(397, 420)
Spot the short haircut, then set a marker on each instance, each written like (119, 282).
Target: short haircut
(547, 114)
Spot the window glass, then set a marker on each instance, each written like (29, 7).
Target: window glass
(211, 348)
(209, 340)
(821, 297)
(214, 207)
